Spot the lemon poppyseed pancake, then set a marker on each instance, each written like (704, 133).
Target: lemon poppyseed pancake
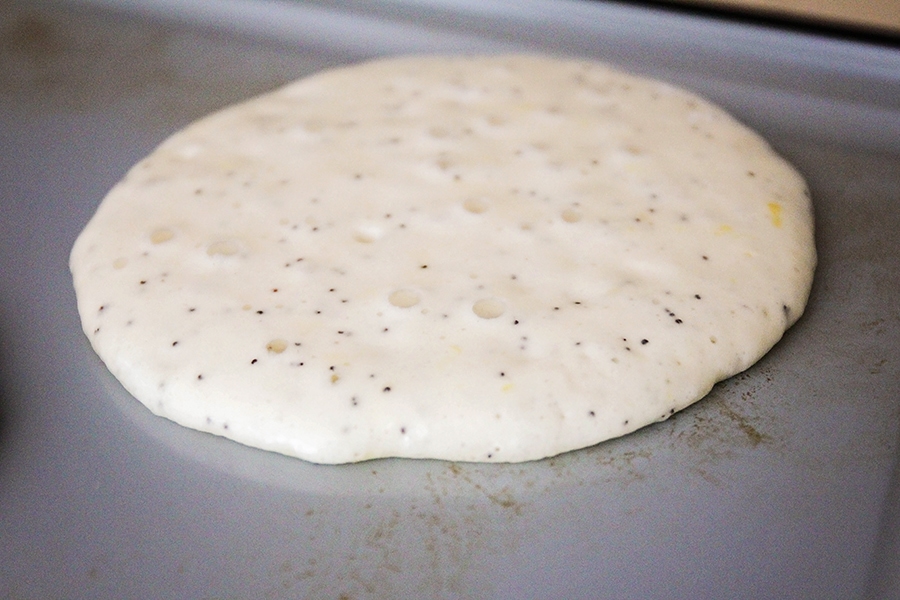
(474, 258)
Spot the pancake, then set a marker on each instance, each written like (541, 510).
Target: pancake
(468, 258)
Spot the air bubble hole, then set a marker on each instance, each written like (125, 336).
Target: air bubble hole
(276, 346)
(225, 248)
(489, 308)
(570, 215)
(368, 235)
(404, 298)
(158, 236)
(475, 205)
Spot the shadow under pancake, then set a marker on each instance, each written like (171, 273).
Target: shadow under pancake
(623, 461)
(702, 443)
(379, 476)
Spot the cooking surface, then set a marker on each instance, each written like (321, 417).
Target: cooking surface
(776, 485)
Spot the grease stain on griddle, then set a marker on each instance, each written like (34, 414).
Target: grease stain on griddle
(436, 540)
(433, 542)
(505, 496)
(727, 423)
(752, 435)
(628, 465)
(732, 423)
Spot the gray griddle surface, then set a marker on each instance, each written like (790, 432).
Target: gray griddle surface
(777, 485)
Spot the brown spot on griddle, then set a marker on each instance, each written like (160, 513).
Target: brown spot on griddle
(32, 37)
(78, 58)
(753, 436)
(504, 498)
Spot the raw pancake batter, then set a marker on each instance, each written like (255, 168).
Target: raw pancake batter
(465, 258)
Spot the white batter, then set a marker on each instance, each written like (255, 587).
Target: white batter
(469, 258)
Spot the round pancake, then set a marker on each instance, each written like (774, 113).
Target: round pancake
(473, 258)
